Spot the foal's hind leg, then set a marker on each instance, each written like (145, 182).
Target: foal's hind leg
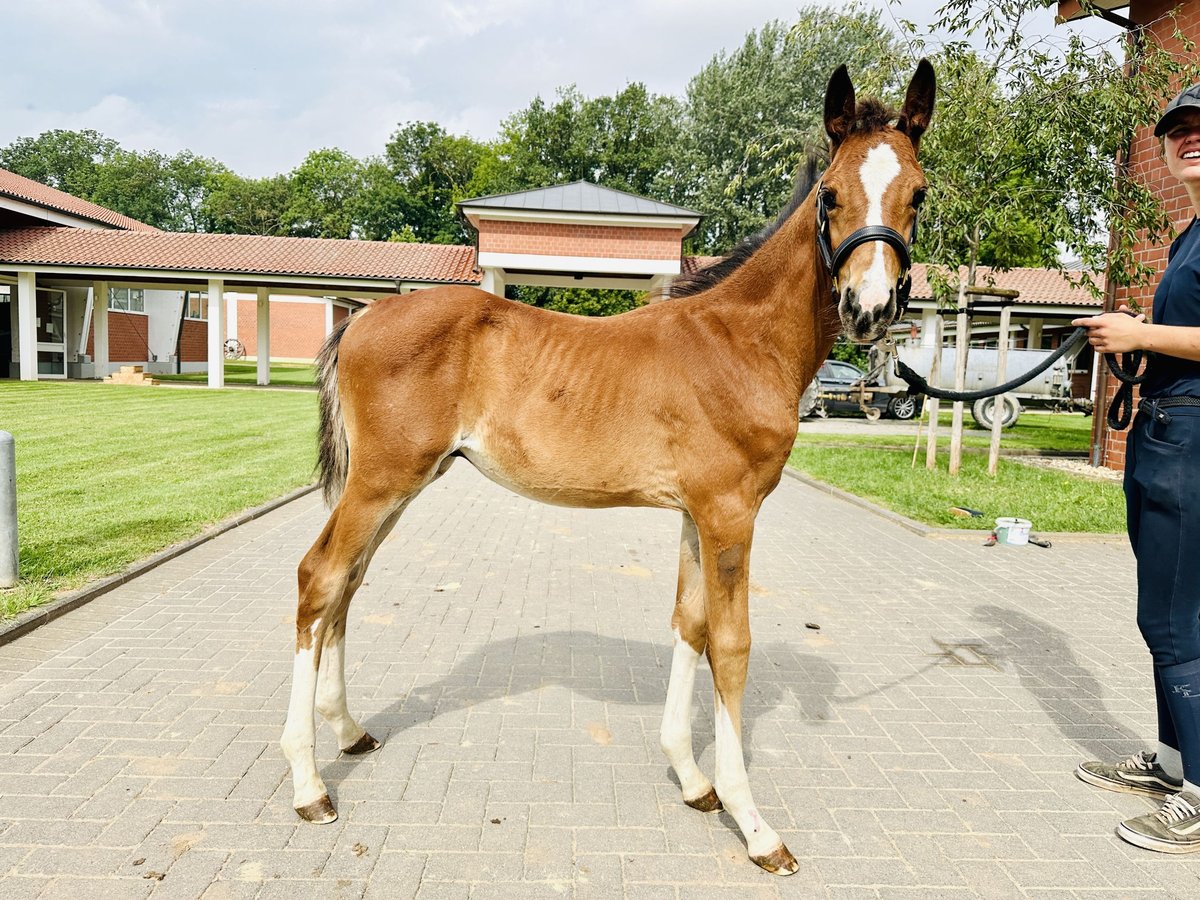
(725, 536)
(334, 563)
(690, 630)
(352, 738)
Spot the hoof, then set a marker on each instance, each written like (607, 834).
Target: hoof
(365, 744)
(709, 802)
(319, 812)
(778, 862)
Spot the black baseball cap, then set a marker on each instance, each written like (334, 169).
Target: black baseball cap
(1185, 99)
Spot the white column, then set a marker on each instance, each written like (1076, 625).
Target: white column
(1034, 339)
(263, 336)
(659, 288)
(231, 308)
(493, 280)
(328, 316)
(99, 328)
(928, 319)
(27, 324)
(216, 333)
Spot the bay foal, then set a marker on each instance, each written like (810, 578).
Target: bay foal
(689, 404)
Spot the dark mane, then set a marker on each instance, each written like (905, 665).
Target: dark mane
(870, 115)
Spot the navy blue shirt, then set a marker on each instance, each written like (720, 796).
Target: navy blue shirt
(1177, 302)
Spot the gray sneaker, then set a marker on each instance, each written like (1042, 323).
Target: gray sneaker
(1175, 828)
(1140, 774)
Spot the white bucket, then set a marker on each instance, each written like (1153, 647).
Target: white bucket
(1012, 531)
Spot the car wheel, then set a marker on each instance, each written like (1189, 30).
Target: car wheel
(983, 411)
(903, 406)
(810, 399)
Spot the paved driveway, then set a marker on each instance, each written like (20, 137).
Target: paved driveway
(514, 658)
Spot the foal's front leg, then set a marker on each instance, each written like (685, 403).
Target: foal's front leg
(725, 560)
(690, 630)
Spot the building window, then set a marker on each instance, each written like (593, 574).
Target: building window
(127, 299)
(196, 305)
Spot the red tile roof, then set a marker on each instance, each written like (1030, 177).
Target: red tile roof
(1036, 285)
(25, 189)
(238, 253)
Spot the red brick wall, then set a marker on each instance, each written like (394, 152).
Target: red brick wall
(297, 329)
(193, 341)
(126, 338)
(605, 241)
(1147, 165)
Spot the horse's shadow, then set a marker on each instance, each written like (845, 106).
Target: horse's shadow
(607, 670)
(1071, 697)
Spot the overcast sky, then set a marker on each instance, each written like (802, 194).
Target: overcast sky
(257, 84)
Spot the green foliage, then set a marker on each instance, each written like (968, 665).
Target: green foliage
(325, 195)
(67, 160)
(752, 116)
(1022, 154)
(622, 142)
(423, 173)
(848, 351)
(578, 301)
(238, 205)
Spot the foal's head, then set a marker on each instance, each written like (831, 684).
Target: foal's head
(873, 182)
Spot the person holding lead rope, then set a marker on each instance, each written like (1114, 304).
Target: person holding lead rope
(1162, 495)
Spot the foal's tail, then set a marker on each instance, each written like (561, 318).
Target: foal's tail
(333, 451)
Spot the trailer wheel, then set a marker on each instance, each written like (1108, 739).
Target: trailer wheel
(873, 413)
(810, 400)
(983, 411)
(903, 406)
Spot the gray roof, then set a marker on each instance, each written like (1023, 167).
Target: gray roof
(579, 197)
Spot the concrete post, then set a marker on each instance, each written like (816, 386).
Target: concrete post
(9, 559)
(216, 333)
(262, 339)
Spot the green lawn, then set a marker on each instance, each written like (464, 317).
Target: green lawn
(107, 474)
(242, 372)
(1041, 431)
(1052, 500)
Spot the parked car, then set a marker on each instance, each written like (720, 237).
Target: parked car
(839, 387)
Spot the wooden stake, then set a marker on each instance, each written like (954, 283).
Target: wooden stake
(999, 405)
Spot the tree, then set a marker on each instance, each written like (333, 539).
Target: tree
(578, 301)
(1024, 146)
(325, 194)
(67, 160)
(752, 116)
(237, 205)
(423, 173)
(623, 142)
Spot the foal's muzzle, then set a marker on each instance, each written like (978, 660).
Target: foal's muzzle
(865, 325)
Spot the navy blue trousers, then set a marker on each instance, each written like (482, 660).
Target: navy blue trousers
(1162, 497)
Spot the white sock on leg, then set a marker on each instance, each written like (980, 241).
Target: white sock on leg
(1170, 760)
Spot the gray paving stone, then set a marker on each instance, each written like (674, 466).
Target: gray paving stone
(520, 715)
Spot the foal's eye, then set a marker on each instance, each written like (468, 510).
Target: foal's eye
(918, 198)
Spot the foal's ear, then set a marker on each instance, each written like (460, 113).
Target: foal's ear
(918, 103)
(839, 107)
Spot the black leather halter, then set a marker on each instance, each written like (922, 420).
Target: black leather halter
(834, 259)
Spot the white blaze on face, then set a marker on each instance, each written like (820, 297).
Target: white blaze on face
(879, 170)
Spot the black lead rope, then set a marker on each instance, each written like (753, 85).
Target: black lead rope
(921, 386)
(1125, 371)
(1121, 411)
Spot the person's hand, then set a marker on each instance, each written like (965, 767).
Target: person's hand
(1117, 332)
